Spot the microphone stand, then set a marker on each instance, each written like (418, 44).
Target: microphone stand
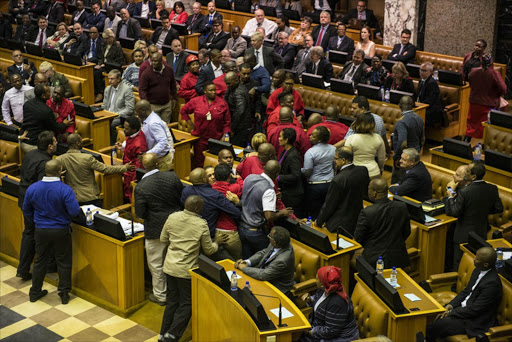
(280, 325)
(338, 238)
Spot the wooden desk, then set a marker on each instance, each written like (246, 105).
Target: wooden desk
(339, 259)
(11, 226)
(216, 316)
(497, 243)
(405, 326)
(181, 161)
(448, 161)
(85, 72)
(99, 128)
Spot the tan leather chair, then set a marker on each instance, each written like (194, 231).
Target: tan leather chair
(9, 156)
(83, 127)
(120, 138)
(371, 315)
(498, 140)
(306, 267)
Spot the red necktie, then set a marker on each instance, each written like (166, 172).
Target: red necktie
(41, 39)
(320, 36)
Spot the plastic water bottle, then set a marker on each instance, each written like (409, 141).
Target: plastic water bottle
(392, 279)
(309, 223)
(234, 282)
(226, 137)
(499, 258)
(478, 151)
(436, 74)
(89, 220)
(387, 95)
(382, 94)
(114, 156)
(380, 266)
(247, 285)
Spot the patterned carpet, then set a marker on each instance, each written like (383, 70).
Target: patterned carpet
(47, 320)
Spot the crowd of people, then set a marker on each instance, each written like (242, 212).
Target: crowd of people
(242, 91)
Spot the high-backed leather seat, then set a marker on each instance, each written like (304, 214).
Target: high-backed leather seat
(498, 140)
(9, 156)
(83, 127)
(371, 315)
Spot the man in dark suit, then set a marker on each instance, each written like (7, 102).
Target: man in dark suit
(417, 183)
(80, 14)
(94, 47)
(37, 8)
(164, 35)
(473, 311)
(27, 71)
(471, 205)
(383, 227)
(96, 18)
(210, 71)
(428, 92)
(323, 32)
(318, 65)
(41, 32)
(130, 6)
(76, 43)
(117, 4)
(24, 30)
(344, 198)
(275, 264)
(285, 50)
(216, 38)
(404, 52)
(355, 70)
(147, 12)
(341, 42)
(195, 19)
(128, 27)
(176, 59)
(5, 28)
(364, 15)
(206, 24)
(265, 56)
(238, 101)
(54, 12)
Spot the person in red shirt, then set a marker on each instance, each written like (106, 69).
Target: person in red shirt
(256, 164)
(63, 109)
(285, 100)
(211, 120)
(219, 82)
(133, 146)
(337, 129)
(187, 89)
(302, 143)
(298, 104)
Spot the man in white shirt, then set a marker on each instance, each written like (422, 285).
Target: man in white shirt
(13, 101)
(259, 20)
(112, 19)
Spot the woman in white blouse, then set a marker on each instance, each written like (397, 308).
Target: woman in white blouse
(365, 42)
(58, 37)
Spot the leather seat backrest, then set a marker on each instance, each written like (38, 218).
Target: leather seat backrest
(9, 153)
(83, 127)
(146, 34)
(371, 315)
(128, 57)
(505, 308)
(413, 239)
(121, 137)
(448, 94)
(4, 64)
(466, 268)
(390, 115)
(306, 264)
(498, 140)
(497, 220)
(383, 50)
(439, 182)
(76, 87)
(337, 70)
(210, 160)
(321, 100)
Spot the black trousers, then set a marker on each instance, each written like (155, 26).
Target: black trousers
(28, 246)
(46, 239)
(447, 326)
(179, 306)
(314, 199)
(99, 81)
(97, 202)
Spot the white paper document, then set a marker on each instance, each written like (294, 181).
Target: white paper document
(389, 281)
(412, 297)
(127, 226)
(343, 243)
(285, 313)
(507, 255)
(237, 151)
(238, 276)
(90, 206)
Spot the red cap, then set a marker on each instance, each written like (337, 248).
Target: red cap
(191, 58)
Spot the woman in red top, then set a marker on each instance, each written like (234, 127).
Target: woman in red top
(487, 87)
(211, 120)
(178, 14)
(188, 83)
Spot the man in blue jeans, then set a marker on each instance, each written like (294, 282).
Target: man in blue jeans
(51, 204)
(258, 207)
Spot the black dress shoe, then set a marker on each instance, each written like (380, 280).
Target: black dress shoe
(64, 296)
(24, 276)
(38, 296)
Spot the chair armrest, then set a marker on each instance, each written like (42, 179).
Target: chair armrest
(77, 98)
(306, 286)
(173, 125)
(123, 207)
(106, 150)
(9, 167)
(449, 277)
(504, 330)
(413, 252)
(451, 107)
(505, 228)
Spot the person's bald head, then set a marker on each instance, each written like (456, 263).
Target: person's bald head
(462, 174)
(406, 103)
(74, 141)
(286, 115)
(150, 161)
(229, 66)
(485, 258)
(377, 189)
(272, 169)
(225, 156)
(39, 79)
(142, 109)
(198, 176)
(314, 118)
(331, 113)
(266, 152)
(231, 80)
(53, 168)
(194, 203)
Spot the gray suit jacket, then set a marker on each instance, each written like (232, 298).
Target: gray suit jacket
(278, 270)
(272, 59)
(124, 101)
(236, 49)
(116, 21)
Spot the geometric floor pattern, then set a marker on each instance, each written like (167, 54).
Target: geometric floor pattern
(49, 321)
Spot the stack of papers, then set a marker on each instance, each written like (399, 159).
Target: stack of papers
(229, 273)
(343, 243)
(412, 297)
(127, 226)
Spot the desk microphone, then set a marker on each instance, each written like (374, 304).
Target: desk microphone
(280, 325)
